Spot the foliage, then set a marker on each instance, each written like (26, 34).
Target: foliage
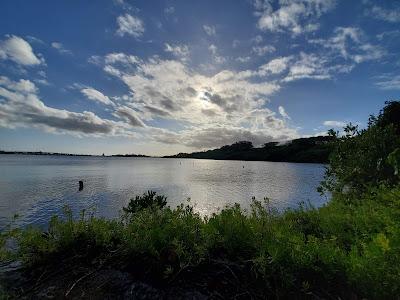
(394, 161)
(149, 199)
(389, 115)
(363, 158)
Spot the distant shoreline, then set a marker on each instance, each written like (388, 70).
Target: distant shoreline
(39, 153)
(69, 154)
(303, 150)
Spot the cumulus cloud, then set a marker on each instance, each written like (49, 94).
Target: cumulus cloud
(23, 86)
(171, 90)
(210, 30)
(296, 16)
(180, 51)
(19, 51)
(212, 110)
(96, 95)
(60, 48)
(130, 25)
(20, 106)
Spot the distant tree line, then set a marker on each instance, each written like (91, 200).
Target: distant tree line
(304, 150)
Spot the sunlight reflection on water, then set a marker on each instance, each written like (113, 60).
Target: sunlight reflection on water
(37, 187)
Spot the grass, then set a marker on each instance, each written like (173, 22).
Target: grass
(349, 246)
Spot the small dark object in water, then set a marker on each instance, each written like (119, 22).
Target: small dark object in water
(243, 167)
(80, 185)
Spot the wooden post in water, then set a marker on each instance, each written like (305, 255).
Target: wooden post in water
(80, 185)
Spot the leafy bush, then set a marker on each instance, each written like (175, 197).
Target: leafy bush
(149, 199)
(361, 157)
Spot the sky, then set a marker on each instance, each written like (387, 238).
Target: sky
(162, 77)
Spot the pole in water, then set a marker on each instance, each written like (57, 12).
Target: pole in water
(80, 185)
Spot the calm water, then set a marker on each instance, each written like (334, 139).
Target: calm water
(37, 187)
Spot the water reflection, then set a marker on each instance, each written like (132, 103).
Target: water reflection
(39, 186)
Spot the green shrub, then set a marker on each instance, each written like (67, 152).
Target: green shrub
(149, 199)
(364, 158)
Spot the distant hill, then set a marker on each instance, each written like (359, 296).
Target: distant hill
(304, 150)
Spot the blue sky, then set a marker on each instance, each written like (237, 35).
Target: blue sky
(161, 77)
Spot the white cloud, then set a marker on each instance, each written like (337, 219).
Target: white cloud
(335, 123)
(243, 59)
(122, 58)
(213, 49)
(95, 95)
(262, 50)
(388, 34)
(351, 44)
(217, 58)
(297, 16)
(257, 39)
(197, 103)
(388, 82)
(60, 48)
(210, 30)
(300, 66)
(42, 81)
(130, 25)
(283, 112)
(275, 66)
(391, 15)
(308, 66)
(180, 51)
(22, 86)
(18, 50)
(21, 107)
(130, 115)
(43, 78)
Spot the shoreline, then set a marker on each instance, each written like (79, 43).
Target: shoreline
(145, 156)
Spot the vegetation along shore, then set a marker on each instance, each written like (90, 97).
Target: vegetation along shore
(347, 249)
